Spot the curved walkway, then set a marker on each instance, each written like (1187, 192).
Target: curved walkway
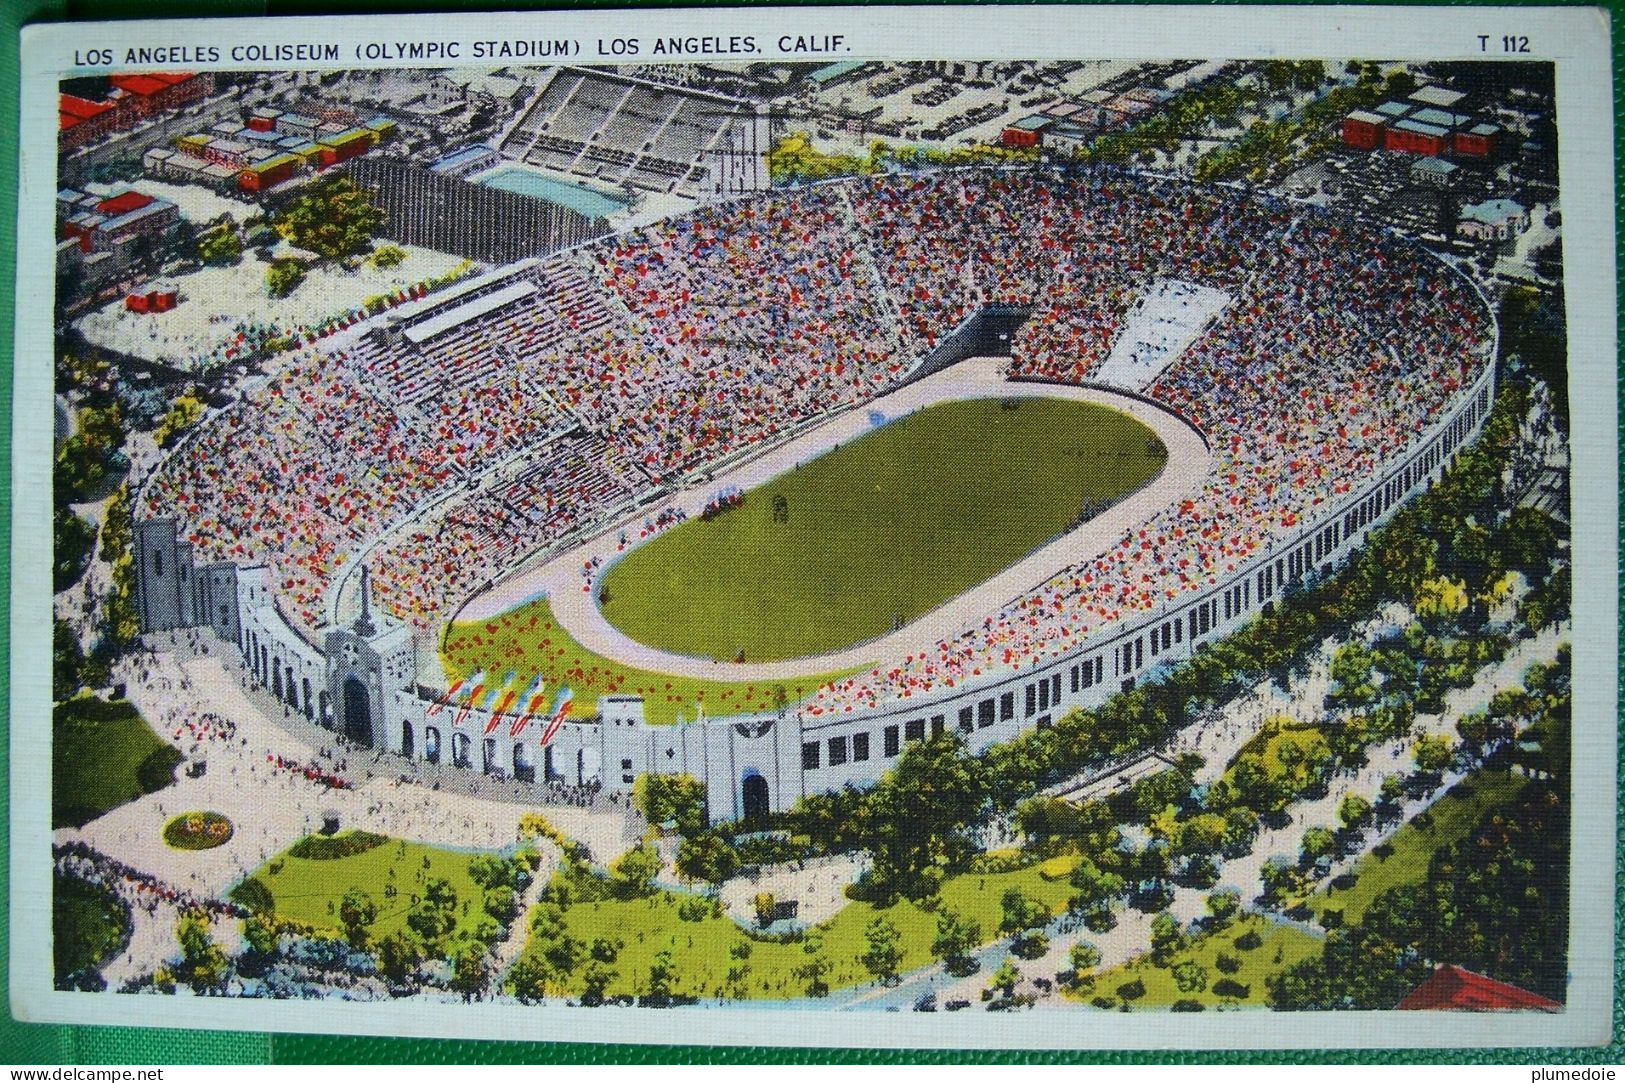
(577, 613)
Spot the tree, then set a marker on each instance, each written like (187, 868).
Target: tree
(469, 971)
(595, 982)
(1094, 888)
(1084, 957)
(221, 246)
(678, 799)
(399, 954)
(1354, 811)
(1167, 938)
(1005, 979)
(764, 904)
(334, 217)
(708, 858)
(203, 964)
(634, 870)
(921, 814)
(182, 415)
(388, 255)
(1432, 753)
(283, 277)
(884, 951)
(1223, 906)
(1318, 842)
(1190, 976)
(1022, 919)
(957, 936)
(434, 916)
(356, 912)
(662, 975)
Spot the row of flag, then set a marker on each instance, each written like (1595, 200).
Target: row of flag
(499, 702)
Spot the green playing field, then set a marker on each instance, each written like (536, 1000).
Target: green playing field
(880, 531)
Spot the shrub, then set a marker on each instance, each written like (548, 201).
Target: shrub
(158, 769)
(1187, 1006)
(1229, 987)
(1249, 940)
(1227, 963)
(1131, 990)
(333, 847)
(253, 894)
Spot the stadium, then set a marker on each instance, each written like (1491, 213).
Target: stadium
(1162, 406)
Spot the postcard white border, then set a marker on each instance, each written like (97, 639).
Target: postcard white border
(1577, 39)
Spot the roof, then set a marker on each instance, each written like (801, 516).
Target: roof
(72, 109)
(1420, 128)
(446, 320)
(1440, 96)
(1485, 129)
(272, 163)
(1440, 117)
(144, 85)
(1493, 211)
(1394, 109)
(123, 202)
(1035, 123)
(298, 119)
(1365, 116)
(835, 71)
(137, 215)
(1452, 989)
(458, 157)
(1434, 165)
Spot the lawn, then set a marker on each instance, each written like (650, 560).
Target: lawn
(393, 872)
(880, 531)
(103, 755)
(700, 949)
(87, 925)
(1279, 947)
(526, 641)
(1446, 821)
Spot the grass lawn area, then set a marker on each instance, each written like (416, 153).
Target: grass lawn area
(309, 889)
(526, 641)
(88, 924)
(832, 553)
(1279, 947)
(103, 755)
(1277, 735)
(1446, 821)
(700, 949)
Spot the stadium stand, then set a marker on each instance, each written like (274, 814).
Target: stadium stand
(510, 413)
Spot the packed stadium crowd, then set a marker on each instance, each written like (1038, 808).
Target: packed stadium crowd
(648, 356)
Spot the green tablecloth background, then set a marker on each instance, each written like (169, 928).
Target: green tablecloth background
(61, 1045)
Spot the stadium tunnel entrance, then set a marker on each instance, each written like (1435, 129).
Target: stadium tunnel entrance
(988, 332)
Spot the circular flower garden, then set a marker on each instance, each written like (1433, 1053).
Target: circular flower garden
(197, 831)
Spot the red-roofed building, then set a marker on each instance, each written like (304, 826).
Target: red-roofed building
(131, 99)
(1452, 989)
(80, 120)
(123, 203)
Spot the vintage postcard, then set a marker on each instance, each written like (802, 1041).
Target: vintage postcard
(1028, 527)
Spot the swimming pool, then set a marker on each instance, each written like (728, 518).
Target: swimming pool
(526, 182)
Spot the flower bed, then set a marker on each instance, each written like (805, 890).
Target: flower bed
(197, 831)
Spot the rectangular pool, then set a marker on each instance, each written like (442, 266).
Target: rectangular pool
(579, 198)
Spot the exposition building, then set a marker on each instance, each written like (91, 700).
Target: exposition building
(331, 521)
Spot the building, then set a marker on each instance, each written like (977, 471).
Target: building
(1435, 173)
(160, 297)
(127, 101)
(1362, 129)
(1479, 141)
(466, 161)
(1493, 220)
(1453, 989)
(111, 233)
(1415, 137)
(1437, 96)
(1026, 132)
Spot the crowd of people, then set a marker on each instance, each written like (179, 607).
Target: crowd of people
(653, 355)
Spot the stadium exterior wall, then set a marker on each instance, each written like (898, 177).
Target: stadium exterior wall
(360, 681)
